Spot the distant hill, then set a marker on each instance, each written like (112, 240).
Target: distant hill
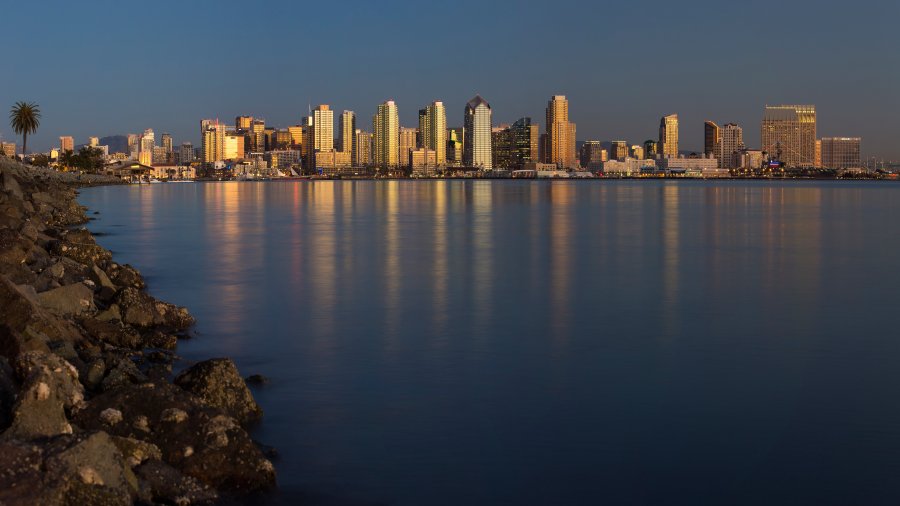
(116, 143)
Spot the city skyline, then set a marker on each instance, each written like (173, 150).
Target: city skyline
(169, 87)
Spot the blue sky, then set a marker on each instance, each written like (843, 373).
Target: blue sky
(101, 68)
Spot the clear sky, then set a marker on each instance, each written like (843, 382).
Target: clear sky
(103, 68)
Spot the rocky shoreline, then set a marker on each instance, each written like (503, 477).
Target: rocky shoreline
(90, 412)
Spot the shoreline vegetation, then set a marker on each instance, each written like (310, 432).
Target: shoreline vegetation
(90, 412)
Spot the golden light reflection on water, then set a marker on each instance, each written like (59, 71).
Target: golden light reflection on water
(562, 222)
(671, 260)
(483, 247)
(440, 269)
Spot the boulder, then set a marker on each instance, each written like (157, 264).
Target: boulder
(73, 299)
(218, 383)
(28, 320)
(162, 483)
(142, 310)
(124, 373)
(112, 332)
(49, 387)
(125, 275)
(195, 438)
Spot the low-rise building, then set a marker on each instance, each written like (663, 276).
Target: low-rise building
(627, 167)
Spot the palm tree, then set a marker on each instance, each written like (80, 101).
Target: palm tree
(25, 118)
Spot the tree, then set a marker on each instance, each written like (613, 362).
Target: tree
(25, 118)
(67, 159)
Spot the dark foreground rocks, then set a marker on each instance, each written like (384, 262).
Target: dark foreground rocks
(88, 410)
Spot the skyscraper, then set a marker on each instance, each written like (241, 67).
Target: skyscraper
(386, 129)
(731, 141)
(524, 136)
(66, 143)
(167, 146)
(591, 156)
(212, 135)
(148, 142)
(257, 135)
(712, 134)
(322, 128)
(433, 130)
(841, 152)
(186, 153)
(477, 133)
(668, 136)
(406, 144)
(242, 123)
(347, 131)
(650, 149)
(560, 148)
(362, 154)
(618, 150)
(788, 133)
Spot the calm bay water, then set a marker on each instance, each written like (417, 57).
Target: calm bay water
(533, 342)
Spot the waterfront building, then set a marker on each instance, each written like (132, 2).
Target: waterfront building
(560, 140)
(698, 166)
(66, 143)
(454, 146)
(185, 153)
(626, 167)
(332, 161)
(362, 151)
(212, 135)
(283, 159)
(423, 161)
(147, 143)
(166, 142)
(406, 143)
(234, 146)
(591, 155)
(347, 131)
(433, 130)
(477, 150)
(731, 141)
(322, 135)
(618, 150)
(501, 147)
(257, 135)
(712, 134)
(637, 151)
(788, 133)
(526, 141)
(748, 159)
(650, 149)
(243, 123)
(841, 152)
(668, 136)
(386, 129)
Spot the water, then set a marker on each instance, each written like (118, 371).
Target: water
(530, 342)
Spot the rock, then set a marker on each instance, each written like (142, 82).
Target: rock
(221, 454)
(79, 246)
(218, 383)
(10, 185)
(162, 483)
(22, 476)
(111, 416)
(88, 469)
(49, 387)
(110, 314)
(9, 389)
(100, 277)
(135, 451)
(73, 299)
(125, 275)
(142, 310)
(28, 320)
(95, 372)
(112, 332)
(125, 373)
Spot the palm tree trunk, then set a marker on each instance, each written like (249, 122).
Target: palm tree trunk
(24, 144)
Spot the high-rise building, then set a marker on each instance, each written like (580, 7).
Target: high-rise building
(93, 142)
(134, 146)
(668, 136)
(525, 139)
(788, 134)
(347, 131)
(362, 149)
(841, 152)
(650, 149)
(212, 135)
(66, 143)
(148, 142)
(186, 153)
(712, 134)
(243, 123)
(501, 147)
(818, 161)
(322, 128)
(234, 146)
(591, 155)
(477, 134)
(433, 130)
(454, 147)
(731, 141)
(618, 150)
(560, 143)
(166, 142)
(407, 144)
(257, 135)
(386, 129)
(296, 133)
(637, 152)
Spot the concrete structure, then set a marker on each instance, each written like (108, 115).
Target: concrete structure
(386, 130)
(362, 154)
(712, 134)
(706, 166)
(477, 150)
(788, 133)
(423, 162)
(748, 159)
(731, 141)
(668, 136)
(560, 140)
(212, 135)
(407, 144)
(618, 150)
(627, 167)
(347, 132)
(185, 153)
(433, 130)
(591, 155)
(329, 161)
(66, 143)
(243, 123)
(637, 151)
(283, 159)
(841, 152)
(234, 146)
(322, 134)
